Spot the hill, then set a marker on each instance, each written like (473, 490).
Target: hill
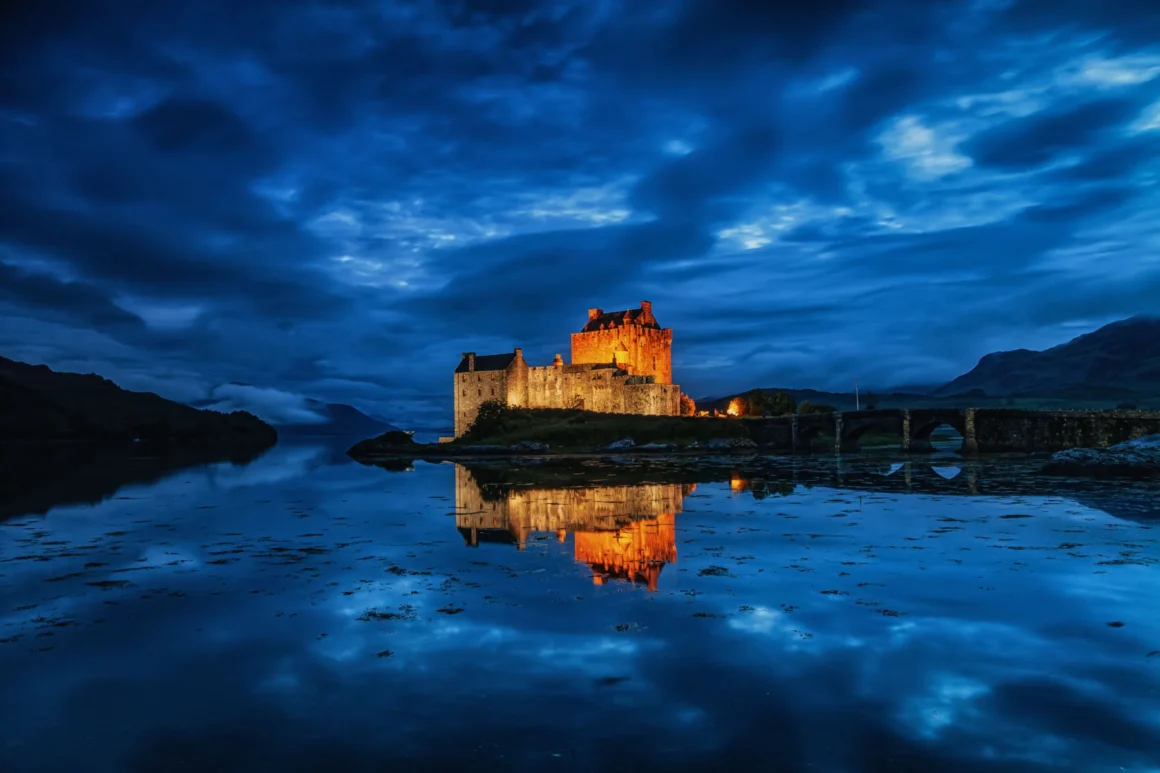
(1119, 361)
(341, 419)
(39, 405)
(293, 414)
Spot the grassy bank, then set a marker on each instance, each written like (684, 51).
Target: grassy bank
(565, 429)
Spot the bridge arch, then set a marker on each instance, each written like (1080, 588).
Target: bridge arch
(922, 429)
(852, 431)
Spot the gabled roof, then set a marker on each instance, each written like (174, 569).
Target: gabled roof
(487, 362)
(618, 319)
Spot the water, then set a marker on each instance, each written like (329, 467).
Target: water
(304, 612)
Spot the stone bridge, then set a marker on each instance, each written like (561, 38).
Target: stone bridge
(984, 430)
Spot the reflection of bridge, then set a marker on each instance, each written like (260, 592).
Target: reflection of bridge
(982, 429)
(621, 531)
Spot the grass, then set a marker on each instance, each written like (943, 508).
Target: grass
(564, 429)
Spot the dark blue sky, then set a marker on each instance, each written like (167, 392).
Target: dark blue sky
(336, 199)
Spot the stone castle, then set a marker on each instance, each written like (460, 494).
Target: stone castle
(621, 363)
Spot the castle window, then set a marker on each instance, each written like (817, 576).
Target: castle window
(480, 393)
(493, 391)
(465, 393)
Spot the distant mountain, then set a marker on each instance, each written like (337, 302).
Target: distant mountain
(308, 417)
(341, 419)
(1120, 360)
(40, 405)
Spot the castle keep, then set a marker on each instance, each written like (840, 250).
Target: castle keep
(621, 363)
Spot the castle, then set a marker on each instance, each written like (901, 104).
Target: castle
(621, 363)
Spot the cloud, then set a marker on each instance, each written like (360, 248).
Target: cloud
(336, 199)
(272, 405)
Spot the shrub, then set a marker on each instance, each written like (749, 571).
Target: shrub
(808, 407)
(490, 419)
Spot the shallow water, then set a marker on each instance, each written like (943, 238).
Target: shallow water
(305, 612)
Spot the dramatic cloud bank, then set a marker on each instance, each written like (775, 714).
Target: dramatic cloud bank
(336, 199)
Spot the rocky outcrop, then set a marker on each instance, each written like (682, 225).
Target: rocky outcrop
(1137, 459)
(394, 442)
(621, 445)
(530, 446)
(40, 406)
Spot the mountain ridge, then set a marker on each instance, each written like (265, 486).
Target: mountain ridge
(1120, 359)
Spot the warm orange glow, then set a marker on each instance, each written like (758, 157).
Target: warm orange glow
(735, 407)
(636, 552)
(738, 485)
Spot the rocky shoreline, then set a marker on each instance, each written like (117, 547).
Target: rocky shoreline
(1137, 459)
(400, 445)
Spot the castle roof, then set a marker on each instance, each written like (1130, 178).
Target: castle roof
(609, 319)
(487, 362)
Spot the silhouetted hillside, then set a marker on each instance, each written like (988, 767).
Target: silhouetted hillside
(1120, 360)
(39, 405)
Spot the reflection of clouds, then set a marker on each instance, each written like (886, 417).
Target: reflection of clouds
(948, 473)
(760, 620)
(281, 463)
(946, 700)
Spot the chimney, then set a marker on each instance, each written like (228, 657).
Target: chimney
(558, 362)
(470, 357)
(594, 313)
(646, 307)
(519, 353)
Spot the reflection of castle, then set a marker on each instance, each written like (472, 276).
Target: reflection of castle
(622, 532)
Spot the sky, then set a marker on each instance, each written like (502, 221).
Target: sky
(335, 199)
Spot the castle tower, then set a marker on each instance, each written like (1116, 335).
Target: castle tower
(633, 340)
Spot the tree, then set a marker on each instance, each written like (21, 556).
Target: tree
(759, 402)
(688, 406)
(489, 420)
(807, 407)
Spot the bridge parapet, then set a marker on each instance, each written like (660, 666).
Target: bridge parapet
(984, 430)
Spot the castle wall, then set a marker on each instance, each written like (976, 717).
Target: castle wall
(472, 390)
(648, 351)
(604, 390)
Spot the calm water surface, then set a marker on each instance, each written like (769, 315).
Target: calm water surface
(305, 612)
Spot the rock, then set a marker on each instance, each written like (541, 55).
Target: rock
(1147, 441)
(656, 447)
(735, 442)
(620, 445)
(533, 446)
(1139, 459)
(391, 442)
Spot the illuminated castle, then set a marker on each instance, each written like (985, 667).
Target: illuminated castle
(621, 363)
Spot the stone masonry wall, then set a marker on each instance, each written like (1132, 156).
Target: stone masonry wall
(999, 430)
(648, 351)
(599, 389)
(472, 390)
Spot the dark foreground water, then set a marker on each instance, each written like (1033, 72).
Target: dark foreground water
(305, 612)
